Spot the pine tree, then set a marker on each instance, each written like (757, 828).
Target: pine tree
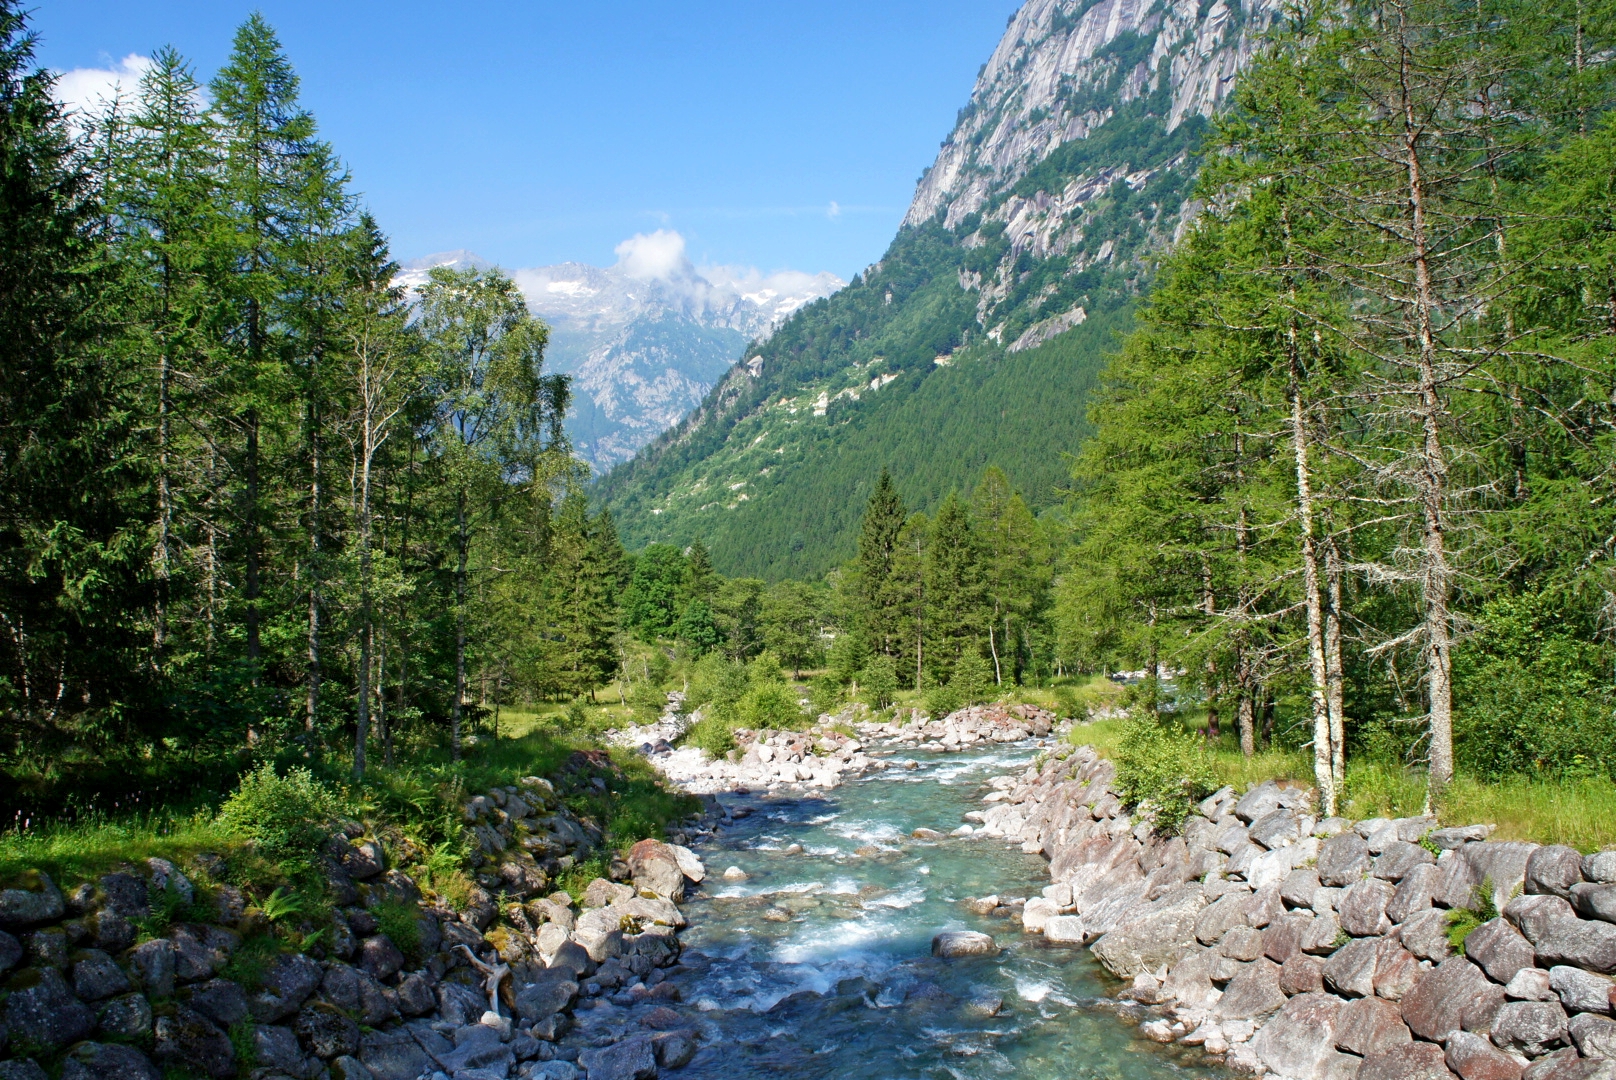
(878, 598)
(955, 612)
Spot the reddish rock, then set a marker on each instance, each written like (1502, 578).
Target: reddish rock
(1300, 1040)
(1362, 908)
(1253, 993)
(1444, 996)
(1473, 1057)
(1301, 974)
(1396, 970)
(1370, 1026)
(1416, 1061)
(1283, 937)
(1499, 949)
(1351, 970)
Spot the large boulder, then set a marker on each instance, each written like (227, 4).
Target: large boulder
(104, 1061)
(1299, 1041)
(1416, 1061)
(1396, 970)
(1343, 860)
(1253, 993)
(220, 1000)
(632, 1059)
(1595, 1036)
(1370, 1026)
(188, 1040)
(1362, 908)
(1159, 934)
(125, 1017)
(955, 943)
(654, 867)
(95, 976)
(1594, 901)
(31, 899)
(1499, 949)
(287, 984)
(40, 1009)
(1350, 971)
(1446, 996)
(1552, 870)
(1503, 864)
(1474, 1057)
(394, 1055)
(1413, 893)
(545, 994)
(1530, 1027)
(1581, 991)
(1533, 914)
(1579, 943)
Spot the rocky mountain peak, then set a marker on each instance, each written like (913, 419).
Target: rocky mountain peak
(1065, 67)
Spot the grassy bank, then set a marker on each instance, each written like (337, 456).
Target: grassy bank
(1578, 812)
(419, 798)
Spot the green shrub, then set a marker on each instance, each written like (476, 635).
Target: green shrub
(972, 678)
(847, 656)
(1162, 768)
(287, 818)
(880, 681)
(711, 734)
(942, 699)
(772, 706)
(826, 693)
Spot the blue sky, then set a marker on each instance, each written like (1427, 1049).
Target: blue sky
(769, 135)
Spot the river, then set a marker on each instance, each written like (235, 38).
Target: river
(819, 963)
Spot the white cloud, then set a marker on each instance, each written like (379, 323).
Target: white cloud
(658, 256)
(90, 90)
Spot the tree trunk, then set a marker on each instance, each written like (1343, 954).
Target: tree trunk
(463, 542)
(165, 508)
(1332, 667)
(1437, 576)
(1323, 772)
(993, 647)
(314, 575)
(366, 616)
(920, 612)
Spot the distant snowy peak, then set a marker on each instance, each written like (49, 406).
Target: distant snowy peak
(645, 338)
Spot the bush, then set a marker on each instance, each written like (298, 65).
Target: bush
(972, 678)
(880, 681)
(287, 818)
(1163, 769)
(712, 735)
(771, 706)
(826, 693)
(847, 656)
(942, 699)
(400, 922)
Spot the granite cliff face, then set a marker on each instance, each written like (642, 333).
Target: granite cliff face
(975, 338)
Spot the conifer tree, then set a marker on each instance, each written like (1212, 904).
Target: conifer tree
(878, 596)
(955, 612)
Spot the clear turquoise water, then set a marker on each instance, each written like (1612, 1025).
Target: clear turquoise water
(847, 988)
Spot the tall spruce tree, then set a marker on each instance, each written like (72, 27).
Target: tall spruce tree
(879, 598)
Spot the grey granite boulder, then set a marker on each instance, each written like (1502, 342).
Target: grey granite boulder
(1446, 997)
(394, 1055)
(1595, 1036)
(1217, 918)
(1600, 866)
(41, 1009)
(1530, 1027)
(1552, 870)
(1579, 943)
(1533, 914)
(95, 976)
(1396, 970)
(1159, 933)
(1300, 1040)
(955, 943)
(1499, 949)
(1362, 908)
(287, 984)
(1343, 860)
(1350, 971)
(188, 1040)
(1474, 1057)
(1581, 991)
(1415, 1061)
(108, 1061)
(1594, 901)
(1399, 859)
(631, 1059)
(1251, 994)
(125, 1017)
(1503, 864)
(32, 899)
(1413, 893)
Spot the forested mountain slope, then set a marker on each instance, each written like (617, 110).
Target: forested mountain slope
(976, 337)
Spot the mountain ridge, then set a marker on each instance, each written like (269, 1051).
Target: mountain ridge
(977, 336)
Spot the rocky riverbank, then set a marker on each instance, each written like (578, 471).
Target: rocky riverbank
(826, 753)
(1316, 949)
(156, 967)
